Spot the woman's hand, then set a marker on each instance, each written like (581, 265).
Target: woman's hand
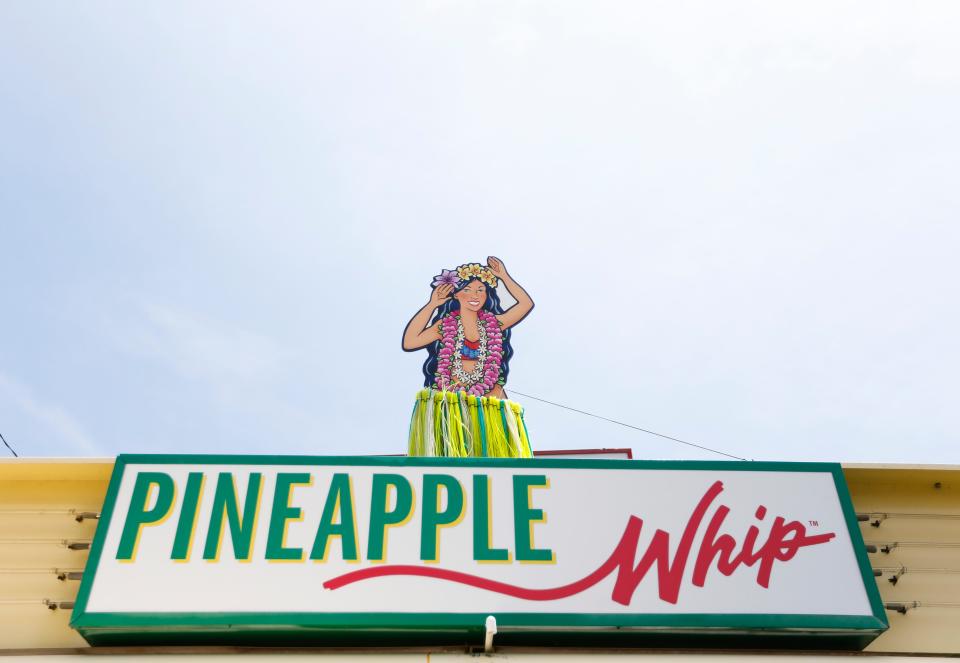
(524, 304)
(496, 266)
(417, 333)
(441, 294)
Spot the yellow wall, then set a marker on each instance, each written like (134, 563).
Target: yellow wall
(920, 501)
(39, 500)
(36, 497)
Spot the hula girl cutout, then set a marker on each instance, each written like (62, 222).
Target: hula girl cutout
(466, 333)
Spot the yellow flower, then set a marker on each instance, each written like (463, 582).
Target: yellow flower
(476, 271)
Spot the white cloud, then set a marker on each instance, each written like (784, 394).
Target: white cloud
(49, 416)
(202, 348)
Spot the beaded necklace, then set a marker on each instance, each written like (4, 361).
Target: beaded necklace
(451, 375)
(476, 375)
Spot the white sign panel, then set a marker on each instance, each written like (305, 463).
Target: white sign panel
(542, 544)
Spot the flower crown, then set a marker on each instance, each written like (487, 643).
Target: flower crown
(456, 277)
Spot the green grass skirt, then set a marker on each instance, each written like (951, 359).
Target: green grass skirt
(457, 425)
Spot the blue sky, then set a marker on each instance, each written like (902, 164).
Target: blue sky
(738, 221)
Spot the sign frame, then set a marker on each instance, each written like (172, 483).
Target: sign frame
(809, 631)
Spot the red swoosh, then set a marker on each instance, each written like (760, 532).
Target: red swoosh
(670, 568)
(622, 557)
(516, 591)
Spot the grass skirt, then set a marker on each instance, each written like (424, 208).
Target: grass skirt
(457, 425)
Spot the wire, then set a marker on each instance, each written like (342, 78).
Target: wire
(36, 571)
(883, 515)
(620, 423)
(7, 444)
(892, 545)
(36, 512)
(912, 569)
(903, 606)
(37, 542)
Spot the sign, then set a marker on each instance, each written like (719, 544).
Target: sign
(463, 410)
(283, 549)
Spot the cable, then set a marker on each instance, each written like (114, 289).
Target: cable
(73, 544)
(903, 606)
(620, 423)
(883, 515)
(38, 571)
(36, 512)
(15, 454)
(911, 569)
(887, 547)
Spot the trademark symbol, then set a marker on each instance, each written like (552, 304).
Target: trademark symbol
(814, 523)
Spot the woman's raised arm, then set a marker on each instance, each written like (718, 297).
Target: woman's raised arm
(524, 305)
(417, 334)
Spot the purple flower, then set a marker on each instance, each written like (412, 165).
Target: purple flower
(446, 276)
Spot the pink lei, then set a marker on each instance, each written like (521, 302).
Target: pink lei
(451, 375)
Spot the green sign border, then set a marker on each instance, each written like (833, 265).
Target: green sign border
(838, 631)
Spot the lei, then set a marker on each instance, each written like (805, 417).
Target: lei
(450, 373)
